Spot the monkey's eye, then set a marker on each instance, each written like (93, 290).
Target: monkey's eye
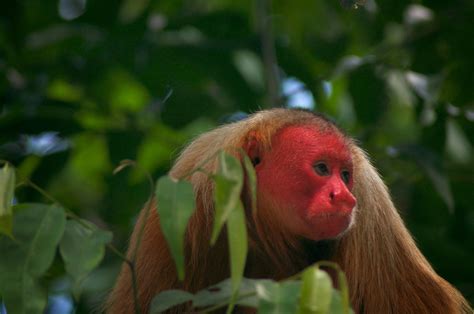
(322, 169)
(346, 176)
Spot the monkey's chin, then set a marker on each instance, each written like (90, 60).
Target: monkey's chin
(328, 226)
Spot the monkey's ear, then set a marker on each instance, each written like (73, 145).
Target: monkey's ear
(252, 148)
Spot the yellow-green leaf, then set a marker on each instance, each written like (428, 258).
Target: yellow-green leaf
(7, 187)
(228, 185)
(237, 237)
(316, 292)
(251, 179)
(277, 298)
(175, 206)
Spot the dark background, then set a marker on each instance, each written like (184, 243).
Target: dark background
(84, 85)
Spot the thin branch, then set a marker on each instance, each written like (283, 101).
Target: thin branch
(270, 64)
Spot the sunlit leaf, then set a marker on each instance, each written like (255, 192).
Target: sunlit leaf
(351, 63)
(168, 299)
(457, 143)
(124, 92)
(64, 91)
(399, 88)
(37, 230)
(71, 9)
(228, 186)
(237, 237)
(82, 247)
(278, 298)
(7, 187)
(132, 9)
(427, 87)
(157, 149)
(175, 206)
(250, 67)
(316, 292)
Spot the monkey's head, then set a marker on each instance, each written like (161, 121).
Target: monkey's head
(305, 180)
(304, 168)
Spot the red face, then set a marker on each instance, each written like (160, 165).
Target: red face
(307, 179)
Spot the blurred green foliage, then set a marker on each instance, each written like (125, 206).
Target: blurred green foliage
(85, 84)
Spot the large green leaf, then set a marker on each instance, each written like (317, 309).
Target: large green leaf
(168, 299)
(7, 187)
(82, 247)
(228, 186)
(237, 237)
(278, 298)
(223, 291)
(175, 206)
(37, 230)
(338, 305)
(316, 292)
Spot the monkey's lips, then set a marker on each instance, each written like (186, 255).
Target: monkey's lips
(328, 224)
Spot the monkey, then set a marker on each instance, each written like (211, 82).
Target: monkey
(318, 197)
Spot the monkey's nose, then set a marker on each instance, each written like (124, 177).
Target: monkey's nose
(342, 197)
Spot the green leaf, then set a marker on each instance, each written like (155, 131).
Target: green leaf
(71, 9)
(175, 207)
(83, 247)
(278, 298)
(168, 299)
(217, 294)
(427, 87)
(250, 67)
(37, 230)
(223, 291)
(64, 91)
(132, 9)
(123, 91)
(344, 288)
(237, 237)
(338, 305)
(316, 292)
(7, 188)
(251, 179)
(228, 186)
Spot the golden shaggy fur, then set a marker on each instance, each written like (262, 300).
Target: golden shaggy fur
(386, 272)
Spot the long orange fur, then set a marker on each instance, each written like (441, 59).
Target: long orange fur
(386, 271)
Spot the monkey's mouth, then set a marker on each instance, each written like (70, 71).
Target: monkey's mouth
(329, 225)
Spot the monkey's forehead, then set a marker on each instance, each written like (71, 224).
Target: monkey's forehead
(309, 139)
(263, 125)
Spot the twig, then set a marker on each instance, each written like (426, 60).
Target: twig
(272, 80)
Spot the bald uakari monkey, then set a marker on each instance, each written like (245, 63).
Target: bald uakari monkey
(318, 197)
